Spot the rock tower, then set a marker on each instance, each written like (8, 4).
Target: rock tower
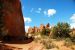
(11, 19)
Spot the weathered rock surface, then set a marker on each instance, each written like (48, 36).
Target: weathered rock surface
(11, 22)
(12, 18)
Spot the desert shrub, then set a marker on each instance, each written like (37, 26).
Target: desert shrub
(72, 35)
(48, 32)
(73, 39)
(68, 42)
(61, 30)
(45, 32)
(47, 43)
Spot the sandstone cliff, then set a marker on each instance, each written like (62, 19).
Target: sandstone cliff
(11, 18)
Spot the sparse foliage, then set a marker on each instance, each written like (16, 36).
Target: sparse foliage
(61, 30)
(45, 32)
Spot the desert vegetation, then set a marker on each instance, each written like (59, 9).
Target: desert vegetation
(56, 37)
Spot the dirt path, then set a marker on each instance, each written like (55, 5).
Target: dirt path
(30, 46)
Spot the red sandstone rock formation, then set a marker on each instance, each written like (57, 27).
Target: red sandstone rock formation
(12, 23)
(48, 25)
(38, 29)
(41, 27)
(12, 17)
(33, 30)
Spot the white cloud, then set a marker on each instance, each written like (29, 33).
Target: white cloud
(73, 18)
(45, 13)
(27, 19)
(26, 28)
(72, 21)
(39, 10)
(51, 12)
(72, 25)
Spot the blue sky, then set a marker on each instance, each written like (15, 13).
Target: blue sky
(38, 12)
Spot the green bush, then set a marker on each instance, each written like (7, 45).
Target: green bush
(45, 32)
(61, 30)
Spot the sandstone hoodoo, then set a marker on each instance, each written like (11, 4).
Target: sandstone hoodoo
(11, 20)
